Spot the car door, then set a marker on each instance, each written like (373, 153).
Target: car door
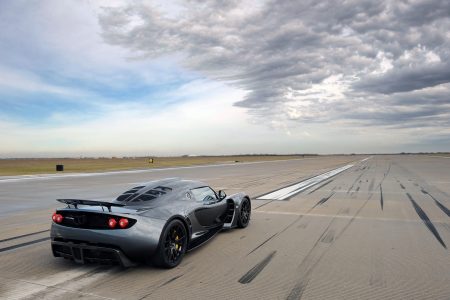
(211, 212)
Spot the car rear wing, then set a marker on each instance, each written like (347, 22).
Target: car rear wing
(76, 202)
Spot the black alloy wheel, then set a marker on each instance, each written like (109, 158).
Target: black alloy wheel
(244, 214)
(172, 246)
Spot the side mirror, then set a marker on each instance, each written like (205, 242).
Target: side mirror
(222, 195)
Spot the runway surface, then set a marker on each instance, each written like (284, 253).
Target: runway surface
(379, 229)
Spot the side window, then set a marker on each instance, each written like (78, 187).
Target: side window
(204, 194)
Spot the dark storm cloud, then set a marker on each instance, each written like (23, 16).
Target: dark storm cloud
(371, 62)
(406, 80)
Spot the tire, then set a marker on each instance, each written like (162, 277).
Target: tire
(244, 213)
(172, 246)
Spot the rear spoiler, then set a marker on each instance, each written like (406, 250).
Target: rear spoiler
(76, 202)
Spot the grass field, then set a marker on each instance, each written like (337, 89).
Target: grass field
(48, 165)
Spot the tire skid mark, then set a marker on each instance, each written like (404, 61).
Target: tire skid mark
(323, 200)
(280, 232)
(320, 186)
(426, 220)
(443, 208)
(446, 226)
(385, 174)
(269, 201)
(299, 288)
(253, 272)
(171, 280)
(388, 170)
(353, 218)
(23, 235)
(284, 229)
(297, 291)
(260, 245)
(402, 186)
(381, 198)
(24, 244)
(309, 263)
(372, 182)
(303, 225)
(439, 204)
(329, 237)
(161, 285)
(306, 213)
(354, 182)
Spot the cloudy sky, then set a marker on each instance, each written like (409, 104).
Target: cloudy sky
(223, 77)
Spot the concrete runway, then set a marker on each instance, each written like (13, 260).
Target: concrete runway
(378, 230)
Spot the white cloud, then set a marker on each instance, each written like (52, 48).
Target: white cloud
(235, 76)
(308, 61)
(21, 81)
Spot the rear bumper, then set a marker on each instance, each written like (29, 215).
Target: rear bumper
(121, 245)
(82, 253)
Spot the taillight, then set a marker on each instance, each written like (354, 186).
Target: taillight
(123, 223)
(57, 218)
(112, 223)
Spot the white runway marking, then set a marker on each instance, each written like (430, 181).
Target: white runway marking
(366, 158)
(291, 190)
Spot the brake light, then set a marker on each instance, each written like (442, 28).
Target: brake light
(57, 218)
(123, 223)
(112, 223)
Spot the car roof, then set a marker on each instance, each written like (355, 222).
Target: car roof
(175, 183)
(163, 189)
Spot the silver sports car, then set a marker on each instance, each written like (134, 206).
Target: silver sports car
(157, 222)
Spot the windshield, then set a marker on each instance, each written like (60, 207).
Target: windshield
(204, 194)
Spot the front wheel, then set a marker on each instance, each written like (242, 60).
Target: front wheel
(244, 213)
(172, 246)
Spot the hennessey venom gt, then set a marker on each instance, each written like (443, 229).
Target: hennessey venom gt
(157, 222)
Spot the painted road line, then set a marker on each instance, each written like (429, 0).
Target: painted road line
(291, 190)
(366, 158)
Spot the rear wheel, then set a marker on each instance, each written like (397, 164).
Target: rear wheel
(172, 246)
(244, 213)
